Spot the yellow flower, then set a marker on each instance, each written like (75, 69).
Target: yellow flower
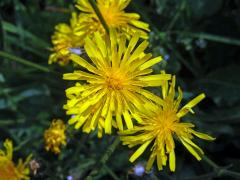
(114, 83)
(114, 15)
(160, 123)
(8, 170)
(55, 136)
(64, 38)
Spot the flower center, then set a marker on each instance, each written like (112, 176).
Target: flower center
(112, 16)
(165, 120)
(114, 83)
(8, 170)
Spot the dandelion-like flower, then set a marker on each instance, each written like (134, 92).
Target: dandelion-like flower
(114, 15)
(114, 83)
(10, 171)
(158, 127)
(64, 39)
(55, 136)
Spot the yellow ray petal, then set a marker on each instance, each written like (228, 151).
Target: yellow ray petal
(130, 47)
(203, 135)
(82, 62)
(189, 105)
(101, 44)
(95, 118)
(140, 49)
(156, 77)
(139, 151)
(187, 140)
(108, 121)
(119, 121)
(172, 161)
(191, 150)
(100, 131)
(159, 162)
(150, 63)
(128, 119)
(150, 162)
(151, 96)
(80, 122)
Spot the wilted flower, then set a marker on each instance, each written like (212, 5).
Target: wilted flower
(158, 126)
(55, 136)
(34, 166)
(8, 170)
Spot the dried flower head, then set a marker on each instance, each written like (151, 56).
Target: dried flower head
(34, 166)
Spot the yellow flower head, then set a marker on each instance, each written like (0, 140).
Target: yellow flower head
(114, 82)
(55, 136)
(158, 126)
(115, 17)
(8, 170)
(64, 38)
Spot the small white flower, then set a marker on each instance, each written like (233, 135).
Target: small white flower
(72, 116)
(69, 178)
(77, 51)
(139, 170)
(166, 57)
(201, 43)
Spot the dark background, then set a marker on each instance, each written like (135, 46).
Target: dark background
(200, 42)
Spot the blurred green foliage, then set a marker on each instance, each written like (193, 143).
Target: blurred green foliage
(199, 40)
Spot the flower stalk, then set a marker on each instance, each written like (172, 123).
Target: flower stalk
(220, 171)
(104, 158)
(23, 61)
(98, 12)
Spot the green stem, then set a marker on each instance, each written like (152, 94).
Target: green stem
(23, 143)
(196, 63)
(183, 61)
(34, 40)
(220, 171)
(209, 37)
(23, 61)
(210, 162)
(110, 150)
(177, 15)
(8, 122)
(98, 12)
(104, 158)
(109, 171)
(80, 145)
(1, 34)
(216, 38)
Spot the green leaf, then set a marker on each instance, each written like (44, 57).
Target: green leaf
(23, 61)
(223, 115)
(223, 85)
(1, 34)
(204, 7)
(161, 4)
(39, 52)
(11, 28)
(2, 79)
(28, 93)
